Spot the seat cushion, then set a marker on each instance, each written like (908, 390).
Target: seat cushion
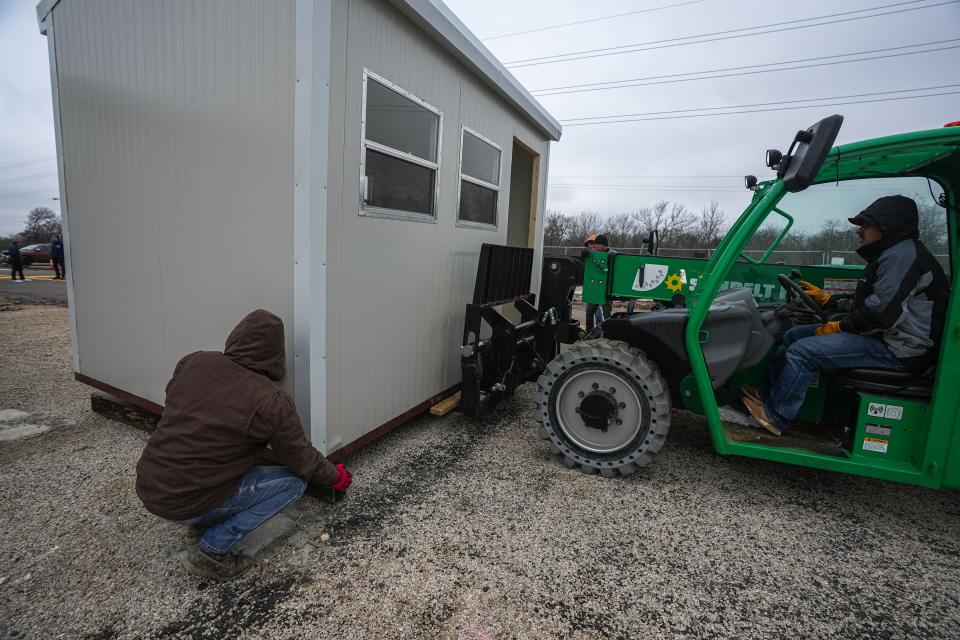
(891, 382)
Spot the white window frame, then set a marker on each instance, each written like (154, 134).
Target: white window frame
(383, 212)
(481, 183)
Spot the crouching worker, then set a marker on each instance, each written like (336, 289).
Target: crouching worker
(894, 320)
(200, 466)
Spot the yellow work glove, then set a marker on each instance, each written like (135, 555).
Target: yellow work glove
(827, 329)
(819, 296)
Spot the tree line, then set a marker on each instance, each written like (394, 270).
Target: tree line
(41, 223)
(681, 228)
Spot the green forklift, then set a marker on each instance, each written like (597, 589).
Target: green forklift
(604, 400)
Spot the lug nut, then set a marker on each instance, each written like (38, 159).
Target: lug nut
(613, 390)
(619, 421)
(581, 394)
(623, 405)
(595, 386)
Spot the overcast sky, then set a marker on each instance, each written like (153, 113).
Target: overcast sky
(620, 167)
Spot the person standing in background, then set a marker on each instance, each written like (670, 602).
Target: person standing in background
(16, 262)
(56, 258)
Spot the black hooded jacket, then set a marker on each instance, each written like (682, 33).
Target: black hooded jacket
(902, 294)
(221, 412)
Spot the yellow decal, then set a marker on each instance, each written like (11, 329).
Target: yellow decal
(674, 282)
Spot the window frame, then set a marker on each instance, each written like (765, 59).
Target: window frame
(469, 224)
(384, 212)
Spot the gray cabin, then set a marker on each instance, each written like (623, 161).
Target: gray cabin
(337, 162)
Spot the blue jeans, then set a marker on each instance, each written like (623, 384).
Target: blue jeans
(263, 492)
(802, 354)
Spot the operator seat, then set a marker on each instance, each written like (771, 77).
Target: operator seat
(888, 382)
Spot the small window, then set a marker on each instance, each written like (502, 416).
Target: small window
(401, 153)
(479, 180)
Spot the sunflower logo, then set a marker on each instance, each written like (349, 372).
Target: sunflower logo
(674, 282)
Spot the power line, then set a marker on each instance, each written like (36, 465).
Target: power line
(35, 176)
(27, 163)
(600, 19)
(633, 177)
(673, 78)
(676, 42)
(24, 194)
(572, 122)
(32, 146)
(677, 189)
(731, 113)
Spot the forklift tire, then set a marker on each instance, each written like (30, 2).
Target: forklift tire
(604, 407)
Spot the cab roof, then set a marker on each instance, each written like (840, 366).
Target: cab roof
(934, 153)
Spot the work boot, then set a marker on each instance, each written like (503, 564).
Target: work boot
(200, 562)
(751, 392)
(759, 414)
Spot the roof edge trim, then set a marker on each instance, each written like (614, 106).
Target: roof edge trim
(436, 19)
(44, 7)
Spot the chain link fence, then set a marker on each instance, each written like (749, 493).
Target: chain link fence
(805, 257)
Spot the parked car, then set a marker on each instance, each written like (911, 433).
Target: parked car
(39, 253)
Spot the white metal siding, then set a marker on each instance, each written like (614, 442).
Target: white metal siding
(177, 125)
(397, 289)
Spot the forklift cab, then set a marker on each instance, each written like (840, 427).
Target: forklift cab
(900, 425)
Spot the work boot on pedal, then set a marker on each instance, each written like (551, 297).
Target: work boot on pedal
(751, 392)
(200, 562)
(759, 414)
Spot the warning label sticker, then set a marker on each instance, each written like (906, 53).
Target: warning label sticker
(875, 444)
(839, 286)
(888, 411)
(879, 430)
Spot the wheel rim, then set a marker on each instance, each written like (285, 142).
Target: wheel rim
(584, 404)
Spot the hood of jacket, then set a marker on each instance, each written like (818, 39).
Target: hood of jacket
(895, 216)
(256, 343)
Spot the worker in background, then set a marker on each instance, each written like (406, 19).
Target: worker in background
(201, 466)
(16, 262)
(894, 320)
(56, 258)
(596, 313)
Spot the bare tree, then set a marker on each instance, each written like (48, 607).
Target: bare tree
(620, 230)
(556, 227)
(670, 220)
(41, 224)
(710, 225)
(582, 225)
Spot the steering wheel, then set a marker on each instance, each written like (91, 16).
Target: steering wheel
(794, 289)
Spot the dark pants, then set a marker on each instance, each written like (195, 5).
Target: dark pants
(596, 314)
(16, 267)
(59, 268)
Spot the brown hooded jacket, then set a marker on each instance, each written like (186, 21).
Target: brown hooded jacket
(221, 412)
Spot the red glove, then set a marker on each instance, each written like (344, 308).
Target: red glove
(343, 479)
(827, 329)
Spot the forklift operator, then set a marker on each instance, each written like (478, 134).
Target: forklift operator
(202, 466)
(894, 320)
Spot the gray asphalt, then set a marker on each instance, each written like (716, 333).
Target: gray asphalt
(40, 290)
(463, 529)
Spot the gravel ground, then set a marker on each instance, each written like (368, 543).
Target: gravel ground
(462, 529)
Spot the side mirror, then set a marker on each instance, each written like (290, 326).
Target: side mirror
(808, 152)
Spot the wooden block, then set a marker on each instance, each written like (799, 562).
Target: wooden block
(444, 407)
